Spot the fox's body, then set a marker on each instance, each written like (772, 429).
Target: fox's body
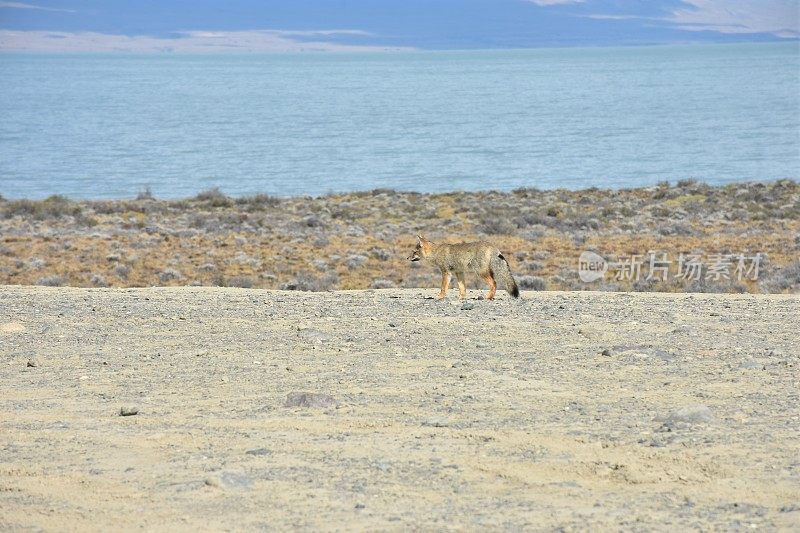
(459, 259)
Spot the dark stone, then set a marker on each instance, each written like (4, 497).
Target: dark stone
(258, 451)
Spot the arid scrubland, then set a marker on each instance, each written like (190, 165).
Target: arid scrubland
(361, 240)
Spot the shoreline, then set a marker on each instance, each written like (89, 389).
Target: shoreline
(147, 192)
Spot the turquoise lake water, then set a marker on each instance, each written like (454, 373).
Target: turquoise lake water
(107, 126)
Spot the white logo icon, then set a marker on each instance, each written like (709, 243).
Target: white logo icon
(591, 267)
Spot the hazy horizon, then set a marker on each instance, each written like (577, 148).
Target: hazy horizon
(364, 25)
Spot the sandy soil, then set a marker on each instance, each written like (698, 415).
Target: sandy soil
(564, 410)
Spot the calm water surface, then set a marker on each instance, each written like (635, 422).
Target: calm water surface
(107, 126)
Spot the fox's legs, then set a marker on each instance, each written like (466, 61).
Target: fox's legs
(445, 284)
(488, 278)
(462, 287)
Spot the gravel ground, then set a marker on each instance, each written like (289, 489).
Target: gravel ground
(387, 410)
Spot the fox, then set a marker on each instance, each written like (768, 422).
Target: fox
(479, 257)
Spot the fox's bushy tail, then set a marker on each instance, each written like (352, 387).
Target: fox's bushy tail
(503, 272)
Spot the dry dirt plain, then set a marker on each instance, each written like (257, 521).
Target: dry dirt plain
(562, 411)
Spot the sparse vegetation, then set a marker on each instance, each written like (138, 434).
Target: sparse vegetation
(361, 240)
(52, 207)
(786, 279)
(242, 282)
(170, 274)
(99, 280)
(214, 198)
(145, 194)
(531, 283)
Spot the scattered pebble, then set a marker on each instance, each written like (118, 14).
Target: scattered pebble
(466, 306)
(606, 352)
(33, 362)
(129, 411)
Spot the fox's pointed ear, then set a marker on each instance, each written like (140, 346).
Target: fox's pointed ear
(420, 238)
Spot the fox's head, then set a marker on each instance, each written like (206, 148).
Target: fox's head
(421, 250)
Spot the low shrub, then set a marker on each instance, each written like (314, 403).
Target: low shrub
(51, 281)
(214, 198)
(531, 283)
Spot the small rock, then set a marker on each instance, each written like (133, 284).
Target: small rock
(360, 505)
(466, 306)
(258, 451)
(606, 352)
(309, 399)
(33, 362)
(129, 411)
(211, 482)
